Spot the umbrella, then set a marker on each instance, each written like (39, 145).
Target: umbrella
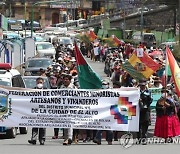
(156, 53)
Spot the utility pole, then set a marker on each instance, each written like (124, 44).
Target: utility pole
(72, 9)
(10, 10)
(25, 17)
(74, 14)
(142, 20)
(67, 15)
(124, 26)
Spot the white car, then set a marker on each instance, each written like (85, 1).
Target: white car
(11, 78)
(45, 49)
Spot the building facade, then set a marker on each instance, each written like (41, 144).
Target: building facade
(47, 13)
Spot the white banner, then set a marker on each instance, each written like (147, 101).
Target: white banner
(112, 109)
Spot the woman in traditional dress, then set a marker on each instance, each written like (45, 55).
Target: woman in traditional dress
(167, 123)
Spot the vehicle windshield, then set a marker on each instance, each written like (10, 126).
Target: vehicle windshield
(31, 82)
(44, 46)
(5, 82)
(66, 41)
(39, 39)
(39, 63)
(150, 38)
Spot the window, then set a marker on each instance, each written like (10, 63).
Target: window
(39, 63)
(17, 81)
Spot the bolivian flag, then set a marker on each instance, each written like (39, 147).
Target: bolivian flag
(175, 71)
(117, 42)
(91, 35)
(113, 41)
(140, 67)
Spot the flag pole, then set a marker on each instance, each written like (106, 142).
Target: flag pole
(166, 72)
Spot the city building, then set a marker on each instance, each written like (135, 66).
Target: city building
(55, 12)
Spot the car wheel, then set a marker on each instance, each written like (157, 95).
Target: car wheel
(23, 130)
(11, 133)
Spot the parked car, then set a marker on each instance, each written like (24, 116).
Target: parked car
(66, 41)
(33, 65)
(11, 78)
(30, 81)
(45, 49)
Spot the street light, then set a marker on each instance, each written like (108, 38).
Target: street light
(37, 3)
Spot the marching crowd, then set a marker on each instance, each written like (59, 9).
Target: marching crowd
(63, 74)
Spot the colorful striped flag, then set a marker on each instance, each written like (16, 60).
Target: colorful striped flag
(88, 79)
(140, 67)
(174, 70)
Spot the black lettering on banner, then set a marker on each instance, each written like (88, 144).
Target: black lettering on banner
(80, 112)
(46, 93)
(42, 110)
(91, 112)
(73, 111)
(33, 110)
(30, 121)
(64, 99)
(42, 106)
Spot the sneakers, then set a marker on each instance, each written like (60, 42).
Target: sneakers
(67, 142)
(32, 142)
(97, 141)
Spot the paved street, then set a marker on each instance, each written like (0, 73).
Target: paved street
(20, 145)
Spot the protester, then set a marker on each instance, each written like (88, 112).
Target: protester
(116, 84)
(144, 104)
(42, 72)
(68, 132)
(96, 52)
(42, 131)
(53, 84)
(167, 122)
(109, 133)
